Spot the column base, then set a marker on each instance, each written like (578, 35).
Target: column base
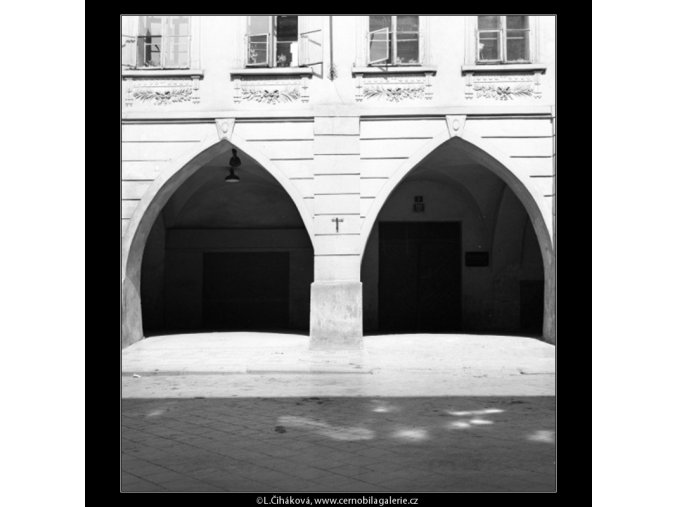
(336, 315)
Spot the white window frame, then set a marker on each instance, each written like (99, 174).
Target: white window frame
(163, 46)
(502, 42)
(271, 44)
(393, 30)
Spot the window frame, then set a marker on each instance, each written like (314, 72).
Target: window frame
(271, 60)
(164, 41)
(503, 42)
(391, 61)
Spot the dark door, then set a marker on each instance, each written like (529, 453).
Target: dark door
(420, 277)
(531, 306)
(245, 291)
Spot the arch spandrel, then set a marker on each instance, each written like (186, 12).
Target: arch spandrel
(538, 208)
(155, 198)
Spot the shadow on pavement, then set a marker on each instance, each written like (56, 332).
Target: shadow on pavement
(342, 444)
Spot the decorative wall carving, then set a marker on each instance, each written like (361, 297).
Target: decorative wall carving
(394, 94)
(160, 92)
(273, 96)
(270, 91)
(502, 86)
(164, 96)
(504, 92)
(455, 124)
(224, 127)
(394, 88)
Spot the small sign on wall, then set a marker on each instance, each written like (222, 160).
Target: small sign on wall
(477, 259)
(419, 205)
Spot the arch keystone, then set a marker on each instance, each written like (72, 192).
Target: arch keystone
(224, 128)
(455, 124)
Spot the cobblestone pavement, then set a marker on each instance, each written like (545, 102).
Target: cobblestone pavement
(361, 444)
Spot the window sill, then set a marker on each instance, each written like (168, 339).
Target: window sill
(504, 67)
(272, 71)
(138, 73)
(395, 69)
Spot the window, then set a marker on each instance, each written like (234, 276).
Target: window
(503, 39)
(163, 42)
(273, 41)
(394, 40)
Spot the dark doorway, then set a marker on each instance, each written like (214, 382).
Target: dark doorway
(531, 306)
(419, 277)
(245, 291)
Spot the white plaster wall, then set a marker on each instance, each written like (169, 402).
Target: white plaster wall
(218, 49)
(147, 150)
(339, 154)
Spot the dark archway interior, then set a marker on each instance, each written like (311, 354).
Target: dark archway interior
(453, 250)
(227, 256)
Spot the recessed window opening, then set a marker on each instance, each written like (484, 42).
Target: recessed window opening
(163, 42)
(273, 41)
(503, 39)
(394, 40)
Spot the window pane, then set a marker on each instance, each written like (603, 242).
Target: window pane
(258, 50)
(488, 22)
(407, 39)
(150, 25)
(286, 45)
(178, 25)
(517, 45)
(407, 48)
(258, 24)
(489, 46)
(286, 54)
(149, 41)
(407, 24)
(140, 51)
(378, 22)
(379, 46)
(177, 51)
(149, 51)
(517, 21)
(287, 28)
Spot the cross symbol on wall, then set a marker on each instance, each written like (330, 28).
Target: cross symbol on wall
(337, 220)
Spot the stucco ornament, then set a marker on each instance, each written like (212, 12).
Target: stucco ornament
(274, 96)
(395, 94)
(413, 85)
(224, 127)
(455, 124)
(163, 96)
(160, 92)
(504, 92)
(503, 86)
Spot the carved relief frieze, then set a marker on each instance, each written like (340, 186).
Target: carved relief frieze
(272, 96)
(502, 86)
(270, 91)
(397, 88)
(394, 93)
(161, 92)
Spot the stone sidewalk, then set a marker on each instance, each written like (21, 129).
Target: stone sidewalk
(412, 413)
(266, 364)
(347, 444)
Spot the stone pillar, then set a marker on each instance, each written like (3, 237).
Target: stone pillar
(336, 315)
(336, 293)
(549, 301)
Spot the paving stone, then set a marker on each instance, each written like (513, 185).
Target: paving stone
(141, 487)
(413, 449)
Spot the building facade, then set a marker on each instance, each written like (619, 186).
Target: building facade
(338, 175)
